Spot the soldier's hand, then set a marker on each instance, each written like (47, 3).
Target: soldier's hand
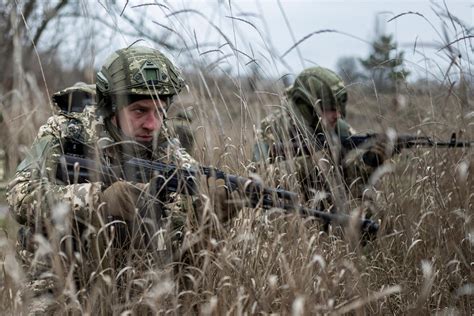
(121, 200)
(381, 150)
(226, 204)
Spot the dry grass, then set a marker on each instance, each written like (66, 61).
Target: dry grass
(421, 262)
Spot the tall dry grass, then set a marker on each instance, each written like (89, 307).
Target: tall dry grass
(421, 261)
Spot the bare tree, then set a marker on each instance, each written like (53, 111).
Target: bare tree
(23, 25)
(43, 45)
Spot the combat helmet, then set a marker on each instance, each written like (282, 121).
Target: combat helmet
(133, 73)
(318, 86)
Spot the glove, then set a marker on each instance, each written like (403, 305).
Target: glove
(380, 151)
(226, 204)
(121, 199)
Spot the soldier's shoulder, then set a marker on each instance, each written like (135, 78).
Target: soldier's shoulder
(69, 124)
(344, 129)
(275, 123)
(53, 126)
(278, 113)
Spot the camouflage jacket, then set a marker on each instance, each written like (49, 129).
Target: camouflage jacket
(337, 173)
(45, 206)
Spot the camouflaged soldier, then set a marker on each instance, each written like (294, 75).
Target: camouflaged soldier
(67, 228)
(327, 175)
(80, 95)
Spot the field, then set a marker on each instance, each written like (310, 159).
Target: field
(421, 261)
(266, 261)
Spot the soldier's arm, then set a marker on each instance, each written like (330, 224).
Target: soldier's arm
(360, 164)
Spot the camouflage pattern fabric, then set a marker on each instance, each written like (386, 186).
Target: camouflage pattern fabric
(80, 95)
(179, 126)
(324, 176)
(139, 70)
(62, 236)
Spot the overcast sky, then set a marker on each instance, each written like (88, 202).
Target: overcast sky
(356, 21)
(266, 30)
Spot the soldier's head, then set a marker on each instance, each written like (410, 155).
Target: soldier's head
(320, 95)
(135, 88)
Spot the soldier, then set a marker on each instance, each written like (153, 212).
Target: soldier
(68, 228)
(80, 95)
(317, 107)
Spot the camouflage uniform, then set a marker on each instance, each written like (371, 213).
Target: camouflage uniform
(326, 176)
(180, 126)
(61, 235)
(75, 98)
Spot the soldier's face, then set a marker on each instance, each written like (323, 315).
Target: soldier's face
(140, 120)
(330, 118)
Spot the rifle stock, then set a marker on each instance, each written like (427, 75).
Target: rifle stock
(75, 169)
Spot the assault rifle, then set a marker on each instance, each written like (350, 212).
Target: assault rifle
(361, 141)
(171, 178)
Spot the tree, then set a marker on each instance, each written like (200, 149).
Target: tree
(385, 63)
